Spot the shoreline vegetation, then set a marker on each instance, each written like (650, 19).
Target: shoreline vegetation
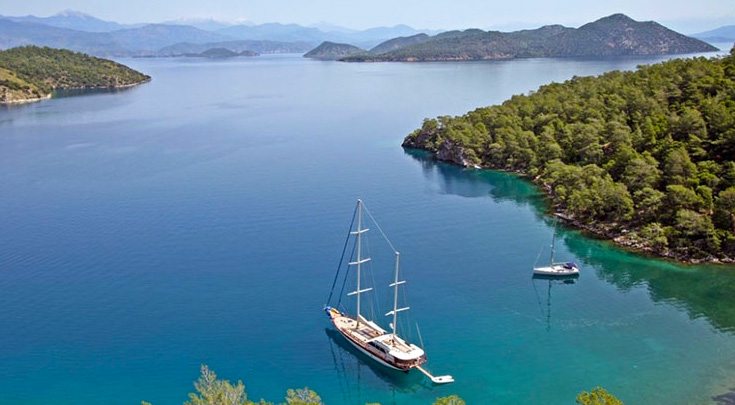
(211, 390)
(30, 73)
(643, 158)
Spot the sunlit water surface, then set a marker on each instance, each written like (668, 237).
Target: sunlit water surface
(199, 219)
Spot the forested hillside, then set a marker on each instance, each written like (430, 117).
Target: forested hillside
(643, 157)
(614, 35)
(33, 72)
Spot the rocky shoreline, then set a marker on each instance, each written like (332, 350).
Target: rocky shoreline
(613, 232)
(25, 100)
(50, 95)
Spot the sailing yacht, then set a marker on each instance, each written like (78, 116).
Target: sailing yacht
(562, 269)
(385, 347)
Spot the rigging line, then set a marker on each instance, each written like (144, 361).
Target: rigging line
(336, 365)
(548, 312)
(347, 272)
(538, 255)
(420, 338)
(377, 225)
(342, 257)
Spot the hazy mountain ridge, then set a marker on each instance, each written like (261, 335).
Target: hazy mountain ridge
(610, 36)
(153, 37)
(85, 33)
(294, 32)
(205, 24)
(71, 19)
(141, 41)
(615, 35)
(722, 34)
(14, 34)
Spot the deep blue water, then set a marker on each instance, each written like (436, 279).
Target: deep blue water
(199, 219)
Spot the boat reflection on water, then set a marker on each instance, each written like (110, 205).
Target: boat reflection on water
(694, 289)
(357, 372)
(551, 280)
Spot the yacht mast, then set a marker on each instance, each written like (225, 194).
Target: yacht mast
(396, 310)
(553, 242)
(359, 260)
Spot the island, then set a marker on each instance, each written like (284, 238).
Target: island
(220, 53)
(614, 35)
(258, 47)
(333, 51)
(643, 158)
(32, 73)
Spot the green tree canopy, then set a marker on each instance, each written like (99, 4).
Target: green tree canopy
(618, 152)
(449, 400)
(597, 396)
(211, 391)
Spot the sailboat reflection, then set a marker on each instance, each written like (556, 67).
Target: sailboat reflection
(568, 280)
(355, 372)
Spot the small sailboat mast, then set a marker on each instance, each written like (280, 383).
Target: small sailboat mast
(556, 269)
(395, 284)
(358, 259)
(553, 245)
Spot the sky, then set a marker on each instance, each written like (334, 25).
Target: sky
(684, 15)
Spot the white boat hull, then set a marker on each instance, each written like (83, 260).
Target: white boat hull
(556, 270)
(370, 339)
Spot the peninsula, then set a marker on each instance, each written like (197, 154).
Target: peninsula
(32, 73)
(333, 51)
(615, 35)
(220, 53)
(645, 158)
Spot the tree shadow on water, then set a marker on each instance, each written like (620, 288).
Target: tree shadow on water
(702, 291)
(473, 183)
(356, 368)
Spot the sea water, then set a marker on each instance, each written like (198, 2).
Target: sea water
(198, 219)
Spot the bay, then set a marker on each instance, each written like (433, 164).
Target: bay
(198, 219)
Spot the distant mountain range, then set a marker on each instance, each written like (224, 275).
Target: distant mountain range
(205, 24)
(13, 34)
(73, 20)
(615, 35)
(82, 32)
(722, 34)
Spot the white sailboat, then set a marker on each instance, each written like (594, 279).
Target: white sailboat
(561, 269)
(387, 348)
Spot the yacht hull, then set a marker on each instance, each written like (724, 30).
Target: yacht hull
(372, 356)
(362, 337)
(556, 271)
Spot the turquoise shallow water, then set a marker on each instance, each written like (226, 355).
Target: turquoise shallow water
(199, 218)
